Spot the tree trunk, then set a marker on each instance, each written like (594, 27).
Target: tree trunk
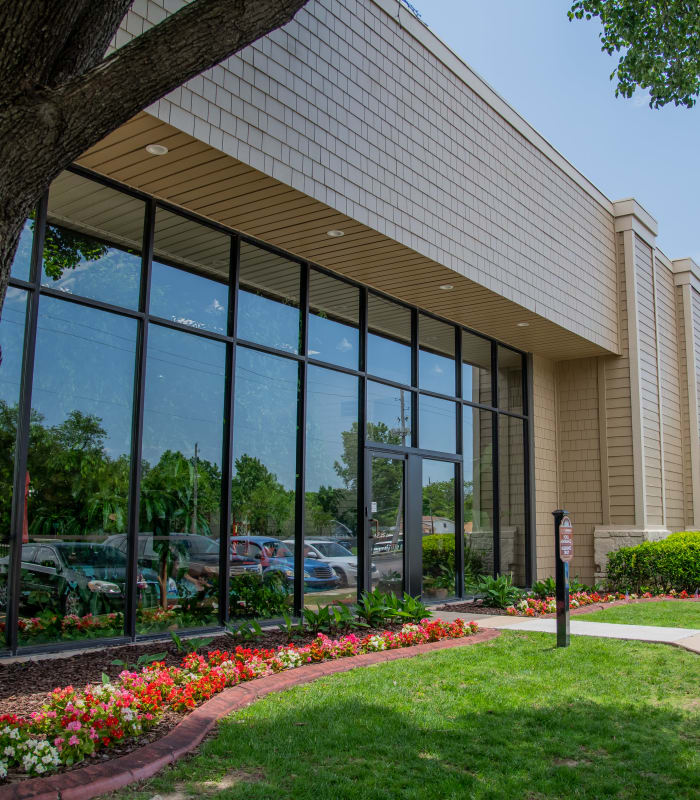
(58, 102)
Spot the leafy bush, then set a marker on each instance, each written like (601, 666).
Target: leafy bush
(439, 557)
(497, 592)
(671, 563)
(545, 588)
(251, 596)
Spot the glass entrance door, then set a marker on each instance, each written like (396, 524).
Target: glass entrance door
(387, 522)
(438, 530)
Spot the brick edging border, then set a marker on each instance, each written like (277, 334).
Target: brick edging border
(603, 606)
(96, 779)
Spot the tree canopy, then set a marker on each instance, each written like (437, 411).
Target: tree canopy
(659, 46)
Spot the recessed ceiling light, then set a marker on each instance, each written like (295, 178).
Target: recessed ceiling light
(446, 287)
(336, 234)
(523, 324)
(156, 149)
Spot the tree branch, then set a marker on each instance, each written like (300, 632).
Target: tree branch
(59, 124)
(89, 39)
(31, 34)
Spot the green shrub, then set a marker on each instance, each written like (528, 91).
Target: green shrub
(671, 563)
(497, 592)
(253, 596)
(439, 557)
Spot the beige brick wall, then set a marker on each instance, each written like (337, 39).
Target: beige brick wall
(649, 381)
(695, 302)
(579, 455)
(671, 394)
(545, 437)
(618, 414)
(685, 408)
(347, 106)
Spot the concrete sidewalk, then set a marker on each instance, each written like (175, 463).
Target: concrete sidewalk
(688, 638)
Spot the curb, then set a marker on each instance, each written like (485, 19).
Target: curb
(88, 782)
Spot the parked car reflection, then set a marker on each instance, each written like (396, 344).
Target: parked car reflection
(277, 559)
(78, 578)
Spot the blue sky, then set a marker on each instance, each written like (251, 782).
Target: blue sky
(553, 72)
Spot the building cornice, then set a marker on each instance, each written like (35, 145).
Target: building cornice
(630, 215)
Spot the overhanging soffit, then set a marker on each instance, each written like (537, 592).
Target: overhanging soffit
(203, 180)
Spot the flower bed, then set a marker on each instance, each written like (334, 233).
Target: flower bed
(536, 607)
(76, 724)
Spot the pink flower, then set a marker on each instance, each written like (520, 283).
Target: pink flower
(74, 726)
(58, 741)
(73, 740)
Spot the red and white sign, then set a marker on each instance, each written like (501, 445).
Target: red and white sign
(566, 540)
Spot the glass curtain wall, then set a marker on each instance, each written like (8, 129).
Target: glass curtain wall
(200, 406)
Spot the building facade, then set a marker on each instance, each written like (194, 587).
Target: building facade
(331, 316)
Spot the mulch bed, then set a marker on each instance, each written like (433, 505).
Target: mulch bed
(472, 608)
(42, 676)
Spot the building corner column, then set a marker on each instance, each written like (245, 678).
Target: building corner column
(635, 226)
(686, 278)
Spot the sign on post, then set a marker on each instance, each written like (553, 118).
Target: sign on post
(564, 549)
(566, 540)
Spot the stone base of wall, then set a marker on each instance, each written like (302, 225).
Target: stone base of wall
(606, 540)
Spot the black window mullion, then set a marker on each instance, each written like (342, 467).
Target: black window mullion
(300, 509)
(363, 554)
(459, 470)
(459, 526)
(415, 400)
(496, 496)
(134, 506)
(227, 449)
(23, 429)
(530, 497)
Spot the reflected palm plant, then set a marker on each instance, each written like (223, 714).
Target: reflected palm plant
(107, 503)
(168, 504)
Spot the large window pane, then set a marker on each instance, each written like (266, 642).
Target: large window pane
(264, 480)
(74, 576)
(11, 339)
(333, 320)
(478, 493)
(387, 503)
(389, 414)
(510, 380)
(178, 538)
(438, 527)
(23, 255)
(93, 241)
(189, 280)
(436, 365)
(476, 369)
(330, 534)
(511, 483)
(268, 300)
(437, 424)
(389, 340)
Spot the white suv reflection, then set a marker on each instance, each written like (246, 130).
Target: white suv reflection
(334, 554)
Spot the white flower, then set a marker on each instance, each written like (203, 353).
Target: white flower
(9, 750)
(3, 769)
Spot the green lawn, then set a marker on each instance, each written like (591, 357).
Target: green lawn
(511, 718)
(667, 613)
